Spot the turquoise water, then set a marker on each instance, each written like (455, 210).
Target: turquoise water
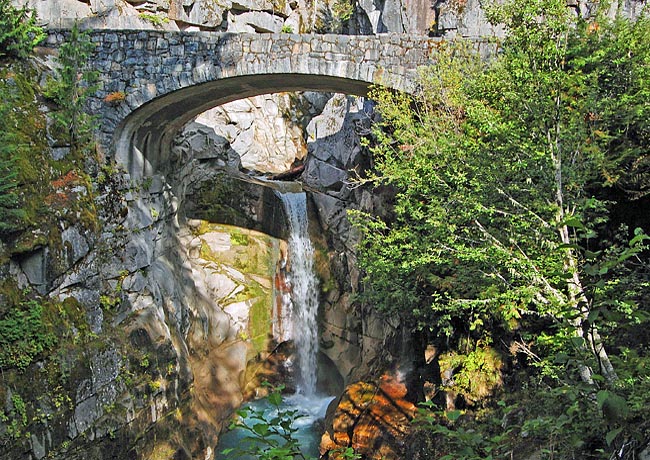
(312, 409)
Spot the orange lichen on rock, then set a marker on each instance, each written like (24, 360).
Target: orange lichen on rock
(372, 418)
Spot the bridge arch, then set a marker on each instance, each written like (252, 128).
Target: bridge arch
(142, 141)
(167, 78)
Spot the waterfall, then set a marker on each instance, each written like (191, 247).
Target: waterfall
(304, 290)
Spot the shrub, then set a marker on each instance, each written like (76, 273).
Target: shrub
(23, 335)
(19, 33)
(156, 20)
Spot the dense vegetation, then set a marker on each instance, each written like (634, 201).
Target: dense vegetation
(506, 249)
(19, 32)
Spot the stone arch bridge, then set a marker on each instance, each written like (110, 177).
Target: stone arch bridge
(170, 77)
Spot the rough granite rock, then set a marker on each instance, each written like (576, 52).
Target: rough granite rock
(255, 129)
(204, 13)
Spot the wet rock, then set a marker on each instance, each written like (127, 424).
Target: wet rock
(330, 210)
(96, 393)
(138, 253)
(34, 266)
(89, 299)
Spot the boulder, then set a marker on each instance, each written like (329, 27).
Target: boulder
(373, 418)
(321, 175)
(204, 13)
(261, 21)
(466, 19)
(255, 128)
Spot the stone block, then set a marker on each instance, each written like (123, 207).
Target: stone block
(34, 266)
(75, 245)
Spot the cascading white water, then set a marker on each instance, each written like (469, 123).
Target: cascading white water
(304, 290)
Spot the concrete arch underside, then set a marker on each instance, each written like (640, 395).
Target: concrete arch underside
(142, 142)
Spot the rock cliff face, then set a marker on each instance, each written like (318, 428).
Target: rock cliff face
(179, 307)
(419, 17)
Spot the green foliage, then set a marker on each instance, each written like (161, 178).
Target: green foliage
(21, 148)
(457, 442)
(286, 29)
(19, 32)
(23, 335)
(108, 302)
(345, 453)
(16, 419)
(269, 437)
(476, 372)
(615, 60)
(154, 19)
(499, 226)
(73, 83)
(343, 9)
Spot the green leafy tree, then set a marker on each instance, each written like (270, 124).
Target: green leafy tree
(498, 171)
(73, 83)
(19, 31)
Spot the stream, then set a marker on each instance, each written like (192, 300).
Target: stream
(310, 410)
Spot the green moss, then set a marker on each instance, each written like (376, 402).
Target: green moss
(23, 139)
(239, 238)
(49, 191)
(259, 321)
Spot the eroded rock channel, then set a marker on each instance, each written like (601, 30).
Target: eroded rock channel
(200, 270)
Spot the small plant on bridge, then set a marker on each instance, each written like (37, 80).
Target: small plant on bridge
(115, 97)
